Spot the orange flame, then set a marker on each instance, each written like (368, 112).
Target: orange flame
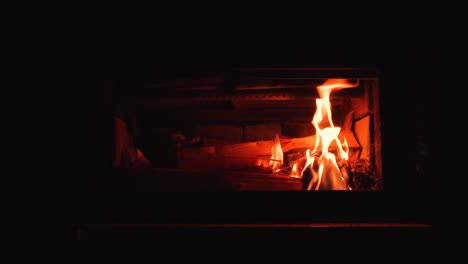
(294, 171)
(328, 176)
(276, 155)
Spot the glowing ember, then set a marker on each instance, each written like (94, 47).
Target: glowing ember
(326, 174)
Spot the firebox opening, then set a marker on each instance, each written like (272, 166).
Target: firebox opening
(255, 130)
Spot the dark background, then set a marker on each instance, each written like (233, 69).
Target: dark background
(130, 40)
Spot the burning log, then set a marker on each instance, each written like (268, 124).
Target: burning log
(263, 148)
(329, 145)
(246, 155)
(262, 182)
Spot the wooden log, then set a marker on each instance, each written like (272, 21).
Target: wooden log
(246, 155)
(242, 181)
(262, 148)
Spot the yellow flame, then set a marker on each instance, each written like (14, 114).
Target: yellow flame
(276, 155)
(328, 176)
(294, 171)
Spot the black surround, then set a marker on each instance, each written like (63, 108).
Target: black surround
(130, 42)
(166, 44)
(404, 90)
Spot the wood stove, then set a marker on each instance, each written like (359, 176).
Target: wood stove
(270, 129)
(203, 136)
(200, 109)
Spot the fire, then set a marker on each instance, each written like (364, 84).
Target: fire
(294, 171)
(326, 174)
(276, 155)
(275, 161)
(320, 162)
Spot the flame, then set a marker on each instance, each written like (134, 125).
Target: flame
(328, 175)
(276, 155)
(294, 171)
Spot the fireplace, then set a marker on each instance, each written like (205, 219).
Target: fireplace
(253, 129)
(198, 144)
(306, 125)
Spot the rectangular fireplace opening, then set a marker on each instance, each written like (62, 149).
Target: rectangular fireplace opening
(252, 129)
